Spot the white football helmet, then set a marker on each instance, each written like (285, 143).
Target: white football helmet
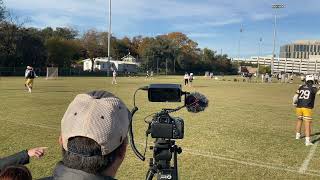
(309, 78)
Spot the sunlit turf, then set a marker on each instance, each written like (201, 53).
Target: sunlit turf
(247, 132)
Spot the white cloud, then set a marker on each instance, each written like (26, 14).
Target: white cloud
(202, 35)
(39, 20)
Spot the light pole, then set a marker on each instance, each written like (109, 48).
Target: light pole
(275, 6)
(109, 38)
(239, 43)
(260, 40)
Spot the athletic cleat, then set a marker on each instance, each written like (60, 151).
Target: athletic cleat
(298, 136)
(309, 143)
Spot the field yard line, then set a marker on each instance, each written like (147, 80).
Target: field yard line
(276, 167)
(305, 164)
(251, 163)
(35, 125)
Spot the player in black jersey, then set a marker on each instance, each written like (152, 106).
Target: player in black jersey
(304, 101)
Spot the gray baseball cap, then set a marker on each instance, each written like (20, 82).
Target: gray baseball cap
(98, 115)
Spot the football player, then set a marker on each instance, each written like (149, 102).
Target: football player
(304, 101)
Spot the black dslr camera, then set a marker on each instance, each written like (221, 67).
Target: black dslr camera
(162, 124)
(165, 128)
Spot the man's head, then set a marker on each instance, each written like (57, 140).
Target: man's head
(94, 133)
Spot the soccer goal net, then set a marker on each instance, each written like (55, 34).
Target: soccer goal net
(52, 73)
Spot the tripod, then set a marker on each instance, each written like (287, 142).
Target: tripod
(160, 163)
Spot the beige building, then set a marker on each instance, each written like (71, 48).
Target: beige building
(288, 65)
(301, 49)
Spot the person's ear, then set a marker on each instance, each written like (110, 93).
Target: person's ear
(60, 140)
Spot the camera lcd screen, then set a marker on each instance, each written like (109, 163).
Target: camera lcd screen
(164, 93)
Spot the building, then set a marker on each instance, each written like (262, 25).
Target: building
(129, 58)
(301, 49)
(288, 65)
(101, 64)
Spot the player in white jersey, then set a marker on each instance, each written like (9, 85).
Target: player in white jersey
(114, 77)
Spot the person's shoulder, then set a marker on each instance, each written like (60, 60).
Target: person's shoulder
(301, 85)
(314, 87)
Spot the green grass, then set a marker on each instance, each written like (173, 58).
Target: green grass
(247, 132)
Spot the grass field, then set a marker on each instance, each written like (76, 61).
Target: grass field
(247, 132)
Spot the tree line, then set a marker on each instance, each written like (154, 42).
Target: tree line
(174, 52)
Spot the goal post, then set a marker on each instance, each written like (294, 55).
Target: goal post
(52, 73)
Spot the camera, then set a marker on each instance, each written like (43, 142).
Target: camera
(165, 128)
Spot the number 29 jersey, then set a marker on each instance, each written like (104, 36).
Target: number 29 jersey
(306, 96)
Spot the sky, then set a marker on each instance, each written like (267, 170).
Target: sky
(213, 24)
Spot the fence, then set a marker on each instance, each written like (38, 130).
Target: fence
(20, 71)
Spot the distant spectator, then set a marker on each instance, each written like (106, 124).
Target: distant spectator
(186, 78)
(16, 173)
(267, 77)
(114, 77)
(279, 77)
(93, 137)
(270, 79)
(191, 79)
(291, 78)
(22, 157)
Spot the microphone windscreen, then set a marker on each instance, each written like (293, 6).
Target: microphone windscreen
(196, 102)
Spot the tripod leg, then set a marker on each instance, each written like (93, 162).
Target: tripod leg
(152, 170)
(175, 165)
(150, 174)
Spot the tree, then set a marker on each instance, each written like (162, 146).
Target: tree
(47, 33)
(65, 33)
(2, 11)
(30, 48)
(93, 46)
(8, 42)
(61, 52)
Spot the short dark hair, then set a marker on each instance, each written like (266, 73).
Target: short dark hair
(16, 173)
(85, 154)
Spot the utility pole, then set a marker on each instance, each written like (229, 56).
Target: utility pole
(157, 66)
(239, 43)
(166, 66)
(275, 6)
(259, 54)
(109, 39)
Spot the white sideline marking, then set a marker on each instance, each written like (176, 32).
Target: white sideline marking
(305, 164)
(35, 125)
(288, 169)
(207, 154)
